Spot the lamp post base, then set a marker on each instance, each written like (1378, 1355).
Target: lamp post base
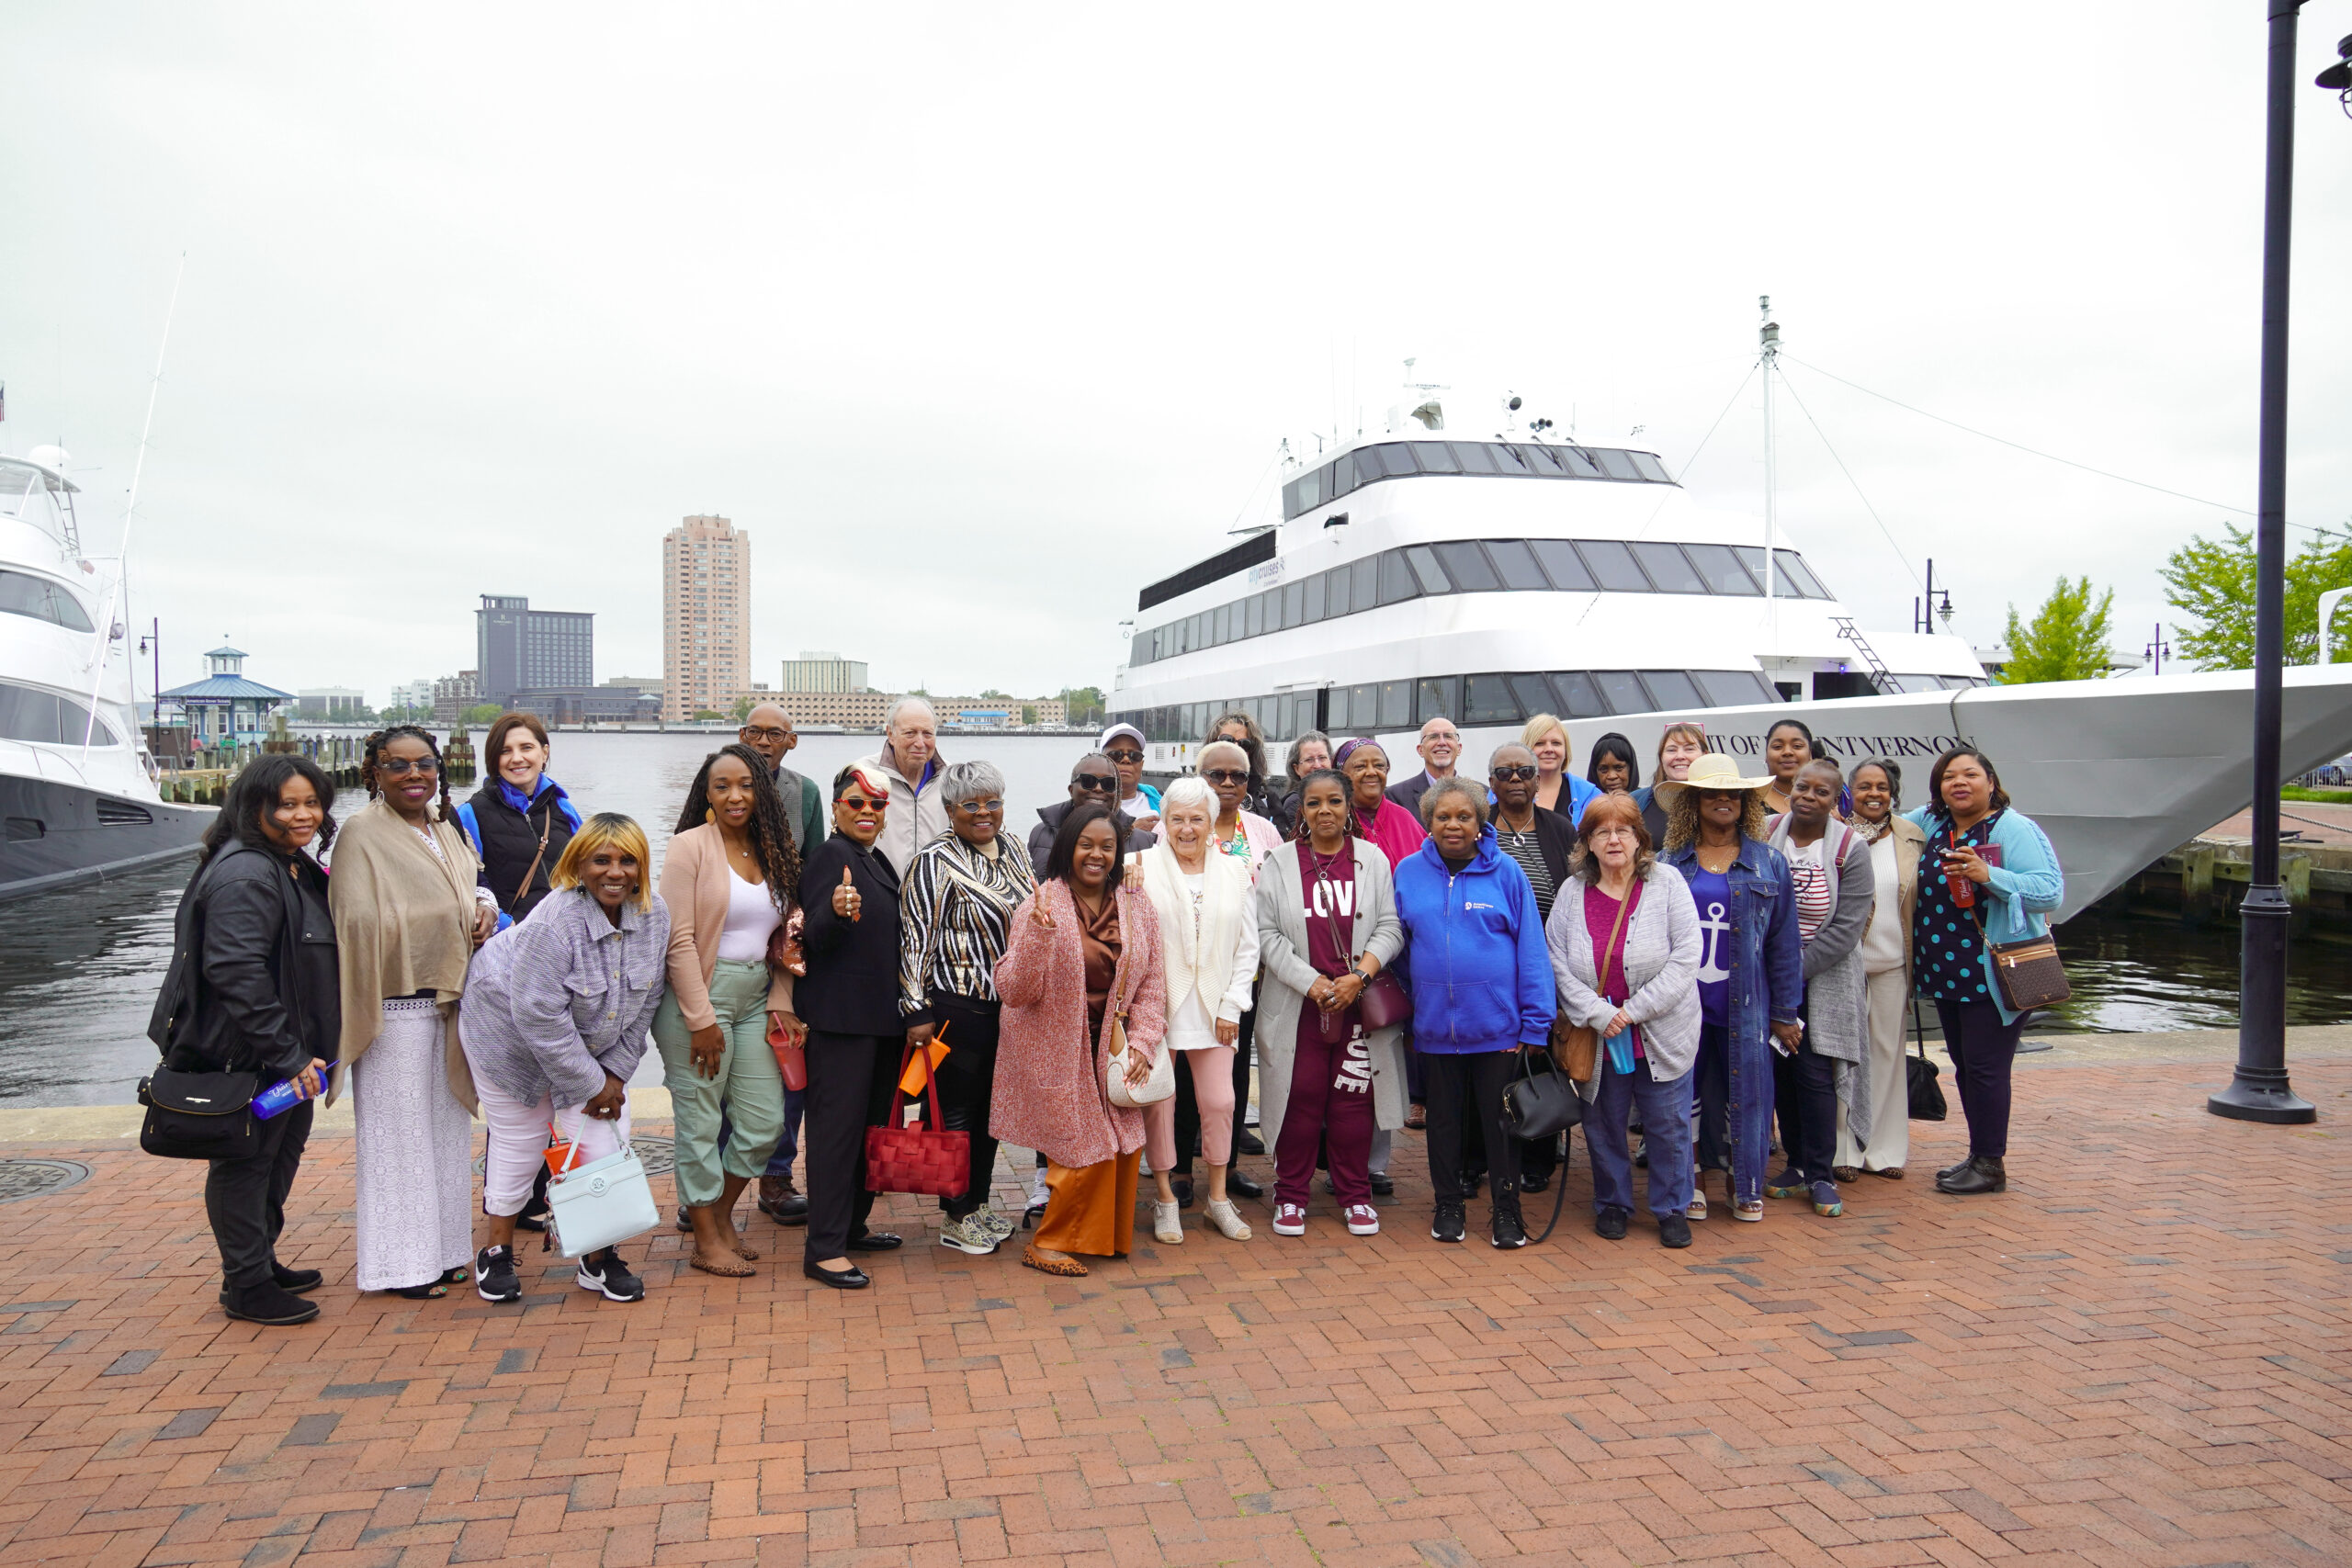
(2248, 1102)
(2258, 1090)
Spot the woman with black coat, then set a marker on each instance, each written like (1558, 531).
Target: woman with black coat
(253, 987)
(520, 819)
(849, 999)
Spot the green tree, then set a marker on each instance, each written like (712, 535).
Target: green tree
(1083, 704)
(2066, 639)
(2212, 580)
(702, 716)
(1028, 713)
(482, 713)
(743, 708)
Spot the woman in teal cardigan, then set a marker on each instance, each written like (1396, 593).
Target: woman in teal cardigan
(2010, 891)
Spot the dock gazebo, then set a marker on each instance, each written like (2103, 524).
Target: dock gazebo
(226, 707)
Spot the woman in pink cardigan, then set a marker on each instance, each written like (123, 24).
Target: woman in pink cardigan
(1083, 951)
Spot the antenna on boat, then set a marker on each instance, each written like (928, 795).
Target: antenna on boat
(1768, 336)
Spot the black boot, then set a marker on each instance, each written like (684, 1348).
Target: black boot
(1948, 1172)
(1983, 1174)
(266, 1304)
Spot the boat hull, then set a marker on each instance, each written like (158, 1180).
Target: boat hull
(55, 835)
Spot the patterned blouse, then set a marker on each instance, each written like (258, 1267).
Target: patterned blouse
(1947, 943)
(952, 914)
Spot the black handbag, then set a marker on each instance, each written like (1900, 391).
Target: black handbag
(197, 1115)
(1538, 1107)
(1927, 1094)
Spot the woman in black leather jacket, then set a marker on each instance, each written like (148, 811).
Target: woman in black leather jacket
(254, 988)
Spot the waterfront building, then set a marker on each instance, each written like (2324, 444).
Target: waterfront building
(588, 705)
(226, 707)
(822, 672)
(453, 695)
(705, 616)
(411, 694)
(851, 710)
(518, 648)
(330, 701)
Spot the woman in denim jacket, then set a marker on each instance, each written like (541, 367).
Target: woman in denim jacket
(2008, 892)
(1751, 971)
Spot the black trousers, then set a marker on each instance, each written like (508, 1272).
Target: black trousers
(1466, 1091)
(1983, 1050)
(1805, 1097)
(967, 1082)
(245, 1198)
(852, 1078)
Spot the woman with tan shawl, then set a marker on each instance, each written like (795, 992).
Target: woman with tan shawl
(408, 917)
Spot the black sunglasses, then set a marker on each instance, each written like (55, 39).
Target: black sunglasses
(1098, 786)
(1227, 776)
(1512, 774)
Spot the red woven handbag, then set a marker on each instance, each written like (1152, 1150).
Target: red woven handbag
(920, 1158)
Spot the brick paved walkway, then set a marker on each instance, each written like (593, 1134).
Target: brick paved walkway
(2135, 1357)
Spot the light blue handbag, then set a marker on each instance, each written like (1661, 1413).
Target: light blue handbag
(601, 1203)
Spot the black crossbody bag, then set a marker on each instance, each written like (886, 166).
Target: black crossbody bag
(192, 1115)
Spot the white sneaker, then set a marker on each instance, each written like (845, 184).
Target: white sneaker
(1290, 1219)
(1166, 1227)
(1228, 1219)
(1362, 1219)
(968, 1235)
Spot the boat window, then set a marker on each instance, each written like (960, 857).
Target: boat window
(1615, 464)
(1473, 457)
(1310, 489)
(1534, 694)
(1335, 590)
(1792, 567)
(1579, 463)
(1563, 565)
(1507, 461)
(1672, 689)
(1220, 624)
(1733, 688)
(1487, 699)
(1579, 694)
(1649, 467)
(1396, 707)
(1435, 458)
(44, 719)
(1343, 478)
(1294, 604)
(1615, 568)
(1398, 458)
(1395, 577)
(1426, 570)
(1668, 568)
(1440, 698)
(1541, 460)
(1621, 690)
(1367, 584)
(1721, 569)
(1313, 586)
(1196, 633)
(1466, 565)
(1515, 563)
(1253, 614)
(1363, 707)
(21, 593)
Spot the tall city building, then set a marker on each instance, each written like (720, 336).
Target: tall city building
(823, 672)
(705, 616)
(518, 648)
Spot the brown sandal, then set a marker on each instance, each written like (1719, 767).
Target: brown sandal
(1847, 1173)
(1893, 1173)
(725, 1272)
(1067, 1267)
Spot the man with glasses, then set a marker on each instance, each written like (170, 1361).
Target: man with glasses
(768, 729)
(1441, 744)
(1092, 777)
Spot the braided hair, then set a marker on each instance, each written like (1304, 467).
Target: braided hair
(383, 737)
(771, 836)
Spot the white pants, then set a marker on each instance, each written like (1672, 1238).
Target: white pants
(416, 1154)
(1885, 996)
(518, 1142)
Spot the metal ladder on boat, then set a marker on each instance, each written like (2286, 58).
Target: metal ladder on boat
(1853, 633)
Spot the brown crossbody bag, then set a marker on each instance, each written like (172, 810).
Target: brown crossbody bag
(1580, 1046)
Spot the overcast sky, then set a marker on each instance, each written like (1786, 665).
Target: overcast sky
(977, 318)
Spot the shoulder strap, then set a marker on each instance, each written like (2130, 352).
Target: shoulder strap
(472, 826)
(546, 828)
(1609, 954)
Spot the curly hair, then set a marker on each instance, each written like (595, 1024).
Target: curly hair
(778, 861)
(383, 737)
(1682, 817)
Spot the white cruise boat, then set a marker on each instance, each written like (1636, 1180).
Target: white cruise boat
(1428, 570)
(78, 799)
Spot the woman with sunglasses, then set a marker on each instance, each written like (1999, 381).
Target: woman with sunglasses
(727, 879)
(954, 915)
(1542, 843)
(1683, 744)
(1092, 777)
(857, 1032)
(408, 914)
(1139, 801)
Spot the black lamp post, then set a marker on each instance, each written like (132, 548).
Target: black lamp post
(2259, 1090)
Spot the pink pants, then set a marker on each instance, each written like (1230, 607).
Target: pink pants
(1213, 1093)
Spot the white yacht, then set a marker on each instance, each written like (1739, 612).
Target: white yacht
(1489, 575)
(78, 799)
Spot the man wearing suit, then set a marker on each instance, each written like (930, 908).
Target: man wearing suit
(1441, 743)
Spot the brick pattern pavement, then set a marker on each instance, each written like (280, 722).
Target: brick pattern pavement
(2135, 1357)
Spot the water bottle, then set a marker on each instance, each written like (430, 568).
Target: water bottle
(282, 1096)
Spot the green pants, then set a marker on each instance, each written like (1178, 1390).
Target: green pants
(747, 1093)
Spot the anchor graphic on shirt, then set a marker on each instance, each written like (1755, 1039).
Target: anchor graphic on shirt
(1713, 925)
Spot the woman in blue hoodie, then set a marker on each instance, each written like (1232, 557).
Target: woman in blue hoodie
(1482, 988)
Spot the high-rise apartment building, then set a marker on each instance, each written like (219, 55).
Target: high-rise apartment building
(522, 649)
(705, 616)
(823, 672)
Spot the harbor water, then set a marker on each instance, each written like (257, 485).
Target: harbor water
(79, 970)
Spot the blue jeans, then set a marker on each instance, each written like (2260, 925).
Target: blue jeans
(1734, 1108)
(1666, 1133)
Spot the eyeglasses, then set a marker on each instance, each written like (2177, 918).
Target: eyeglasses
(748, 733)
(859, 803)
(1514, 773)
(978, 807)
(1097, 785)
(401, 767)
(1225, 776)
(1124, 756)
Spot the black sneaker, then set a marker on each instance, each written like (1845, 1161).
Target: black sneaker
(266, 1304)
(1508, 1232)
(1609, 1224)
(606, 1272)
(1382, 1186)
(1449, 1222)
(494, 1275)
(1673, 1230)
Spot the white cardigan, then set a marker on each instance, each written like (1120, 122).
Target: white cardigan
(1661, 948)
(1219, 961)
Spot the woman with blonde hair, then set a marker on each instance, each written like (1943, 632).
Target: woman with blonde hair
(1556, 789)
(554, 1021)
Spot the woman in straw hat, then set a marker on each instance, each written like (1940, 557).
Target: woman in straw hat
(1751, 979)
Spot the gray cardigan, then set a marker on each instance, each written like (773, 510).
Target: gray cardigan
(558, 1000)
(1837, 1017)
(1662, 951)
(1281, 896)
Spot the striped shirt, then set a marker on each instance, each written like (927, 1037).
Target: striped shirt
(953, 915)
(1528, 850)
(1811, 881)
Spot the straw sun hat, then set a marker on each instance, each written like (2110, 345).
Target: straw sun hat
(1712, 771)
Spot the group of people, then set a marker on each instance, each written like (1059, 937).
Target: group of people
(1707, 954)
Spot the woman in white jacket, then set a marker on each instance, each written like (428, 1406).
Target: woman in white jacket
(1624, 941)
(1209, 941)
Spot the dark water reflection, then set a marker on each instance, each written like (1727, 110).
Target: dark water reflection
(2143, 974)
